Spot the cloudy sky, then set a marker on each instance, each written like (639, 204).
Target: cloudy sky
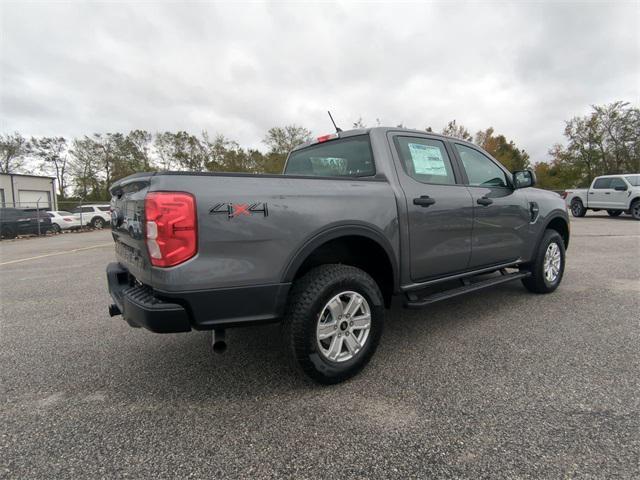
(73, 68)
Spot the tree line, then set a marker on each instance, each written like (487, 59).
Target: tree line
(605, 141)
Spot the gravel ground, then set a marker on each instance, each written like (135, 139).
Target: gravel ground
(500, 384)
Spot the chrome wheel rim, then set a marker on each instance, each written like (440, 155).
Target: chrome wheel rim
(552, 260)
(98, 224)
(343, 327)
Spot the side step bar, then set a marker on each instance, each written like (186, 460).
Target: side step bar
(416, 302)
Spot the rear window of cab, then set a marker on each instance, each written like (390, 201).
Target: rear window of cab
(345, 157)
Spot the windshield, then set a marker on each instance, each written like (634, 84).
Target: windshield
(62, 213)
(634, 180)
(348, 157)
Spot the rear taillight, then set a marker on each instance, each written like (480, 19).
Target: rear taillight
(171, 227)
(67, 219)
(564, 194)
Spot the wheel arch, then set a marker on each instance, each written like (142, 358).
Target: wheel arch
(360, 246)
(560, 224)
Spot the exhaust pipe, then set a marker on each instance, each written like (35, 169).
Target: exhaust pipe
(218, 342)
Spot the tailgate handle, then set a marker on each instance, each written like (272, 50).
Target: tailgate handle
(424, 201)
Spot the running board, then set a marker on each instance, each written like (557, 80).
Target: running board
(467, 288)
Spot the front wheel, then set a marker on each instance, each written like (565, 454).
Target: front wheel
(334, 321)
(577, 208)
(547, 268)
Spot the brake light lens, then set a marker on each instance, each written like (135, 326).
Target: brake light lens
(325, 138)
(564, 194)
(171, 227)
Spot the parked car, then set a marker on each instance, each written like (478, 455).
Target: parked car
(94, 216)
(355, 219)
(23, 221)
(614, 193)
(61, 220)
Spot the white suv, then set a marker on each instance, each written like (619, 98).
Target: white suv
(95, 216)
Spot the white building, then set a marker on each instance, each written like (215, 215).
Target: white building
(27, 191)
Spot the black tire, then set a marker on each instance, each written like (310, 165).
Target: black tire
(537, 282)
(634, 210)
(577, 208)
(308, 298)
(55, 228)
(614, 213)
(97, 223)
(9, 231)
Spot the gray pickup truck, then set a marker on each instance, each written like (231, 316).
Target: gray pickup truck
(356, 219)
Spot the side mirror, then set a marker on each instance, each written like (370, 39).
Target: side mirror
(621, 188)
(524, 179)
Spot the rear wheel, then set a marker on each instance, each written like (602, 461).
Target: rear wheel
(635, 209)
(614, 213)
(55, 228)
(577, 208)
(334, 321)
(547, 267)
(97, 222)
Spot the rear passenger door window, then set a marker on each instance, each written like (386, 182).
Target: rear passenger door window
(481, 170)
(425, 160)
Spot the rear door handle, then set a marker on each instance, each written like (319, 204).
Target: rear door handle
(607, 193)
(424, 201)
(484, 201)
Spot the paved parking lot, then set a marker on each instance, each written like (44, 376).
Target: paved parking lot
(502, 383)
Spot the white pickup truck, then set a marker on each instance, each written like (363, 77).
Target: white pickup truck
(613, 193)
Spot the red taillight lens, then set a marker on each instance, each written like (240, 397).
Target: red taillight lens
(67, 219)
(564, 194)
(170, 227)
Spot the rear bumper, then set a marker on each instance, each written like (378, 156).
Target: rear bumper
(172, 312)
(140, 308)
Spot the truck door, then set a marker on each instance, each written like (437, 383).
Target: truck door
(501, 213)
(599, 193)
(439, 206)
(619, 195)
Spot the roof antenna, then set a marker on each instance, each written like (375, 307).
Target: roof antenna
(338, 129)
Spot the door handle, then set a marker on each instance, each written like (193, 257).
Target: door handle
(591, 193)
(484, 201)
(424, 201)
(607, 193)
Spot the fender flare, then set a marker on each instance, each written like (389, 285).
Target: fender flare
(549, 219)
(333, 232)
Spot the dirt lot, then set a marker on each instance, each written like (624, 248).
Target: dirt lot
(502, 383)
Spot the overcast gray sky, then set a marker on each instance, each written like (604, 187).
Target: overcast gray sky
(76, 68)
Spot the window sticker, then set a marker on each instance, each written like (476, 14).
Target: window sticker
(427, 160)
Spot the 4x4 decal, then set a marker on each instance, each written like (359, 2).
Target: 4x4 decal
(233, 210)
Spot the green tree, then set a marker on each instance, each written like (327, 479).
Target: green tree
(502, 150)
(281, 140)
(181, 150)
(13, 149)
(457, 131)
(52, 151)
(606, 141)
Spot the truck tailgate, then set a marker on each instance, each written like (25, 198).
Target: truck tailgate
(127, 225)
